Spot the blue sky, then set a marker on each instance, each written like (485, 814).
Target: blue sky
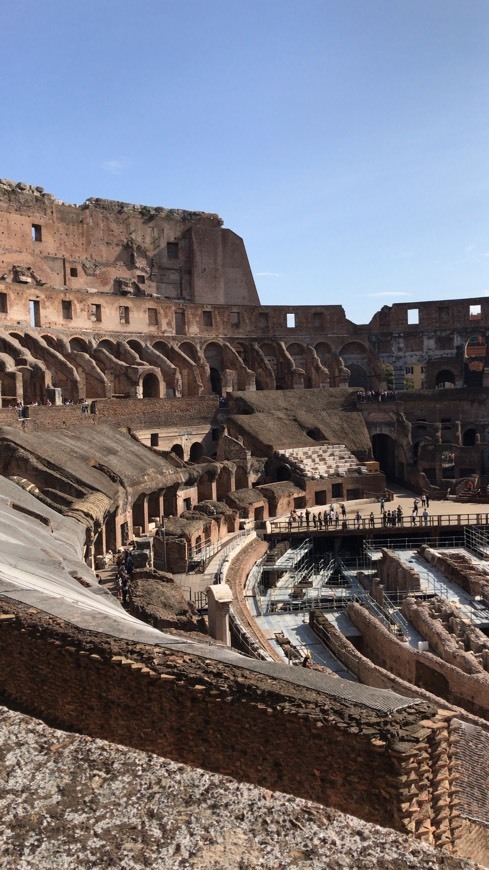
(345, 140)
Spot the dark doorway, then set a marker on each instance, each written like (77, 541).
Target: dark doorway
(216, 382)
(151, 386)
(384, 450)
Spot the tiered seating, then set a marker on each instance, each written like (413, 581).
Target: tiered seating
(325, 460)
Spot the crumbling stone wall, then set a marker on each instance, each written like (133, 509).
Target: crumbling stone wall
(396, 575)
(470, 691)
(452, 637)
(395, 770)
(459, 568)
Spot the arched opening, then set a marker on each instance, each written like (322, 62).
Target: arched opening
(151, 386)
(189, 350)
(108, 345)
(139, 513)
(170, 501)
(135, 345)
(283, 472)
(177, 449)
(51, 341)
(196, 451)
(358, 376)
(78, 345)
(384, 451)
(214, 359)
(241, 478)
(474, 361)
(416, 450)
(324, 352)
(223, 483)
(298, 354)
(154, 506)
(315, 435)
(216, 382)
(445, 380)
(204, 487)
(469, 438)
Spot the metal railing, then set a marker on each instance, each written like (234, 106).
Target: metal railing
(366, 524)
(203, 554)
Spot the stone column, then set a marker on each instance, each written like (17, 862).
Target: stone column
(219, 600)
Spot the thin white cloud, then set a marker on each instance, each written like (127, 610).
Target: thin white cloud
(267, 274)
(115, 166)
(389, 293)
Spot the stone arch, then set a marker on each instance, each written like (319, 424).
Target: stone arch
(445, 379)
(50, 340)
(298, 353)
(474, 361)
(78, 345)
(190, 350)
(283, 472)
(196, 451)
(468, 439)
(270, 354)
(108, 345)
(223, 483)
(177, 449)
(324, 352)
(384, 451)
(151, 386)
(214, 358)
(161, 347)
(135, 345)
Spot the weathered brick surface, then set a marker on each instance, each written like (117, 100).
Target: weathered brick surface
(211, 715)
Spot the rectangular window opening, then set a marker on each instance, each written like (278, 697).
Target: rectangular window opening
(3, 303)
(67, 309)
(36, 233)
(152, 317)
(263, 319)
(172, 251)
(207, 318)
(35, 312)
(154, 439)
(73, 272)
(317, 320)
(413, 316)
(234, 318)
(95, 312)
(180, 325)
(123, 314)
(475, 312)
(290, 321)
(141, 279)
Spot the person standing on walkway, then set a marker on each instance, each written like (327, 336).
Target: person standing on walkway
(425, 516)
(308, 516)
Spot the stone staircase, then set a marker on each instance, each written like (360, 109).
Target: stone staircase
(323, 461)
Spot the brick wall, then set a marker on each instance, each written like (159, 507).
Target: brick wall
(212, 715)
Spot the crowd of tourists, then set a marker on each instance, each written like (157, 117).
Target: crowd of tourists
(376, 396)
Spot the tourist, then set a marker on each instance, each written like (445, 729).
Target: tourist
(314, 521)
(326, 519)
(337, 519)
(343, 510)
(372, 520)
(307, 661)
(382, 505)
(320, 520)
(358, 518)
(425, 516)
(308, 517)
(423, 500)
(413, 516)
